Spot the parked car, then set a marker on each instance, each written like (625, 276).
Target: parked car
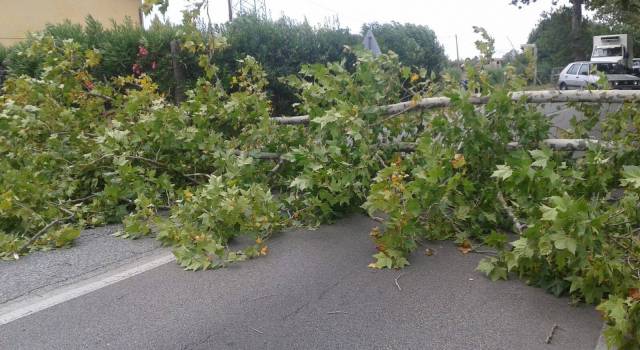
(583, 75)
(636, 67)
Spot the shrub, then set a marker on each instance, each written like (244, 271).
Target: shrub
(416, 45)
(282, 47)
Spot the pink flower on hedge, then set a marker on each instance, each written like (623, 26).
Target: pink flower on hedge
(137, 69)
(154, 65)
(142, 51)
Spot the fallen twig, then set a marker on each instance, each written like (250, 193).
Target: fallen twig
(166, 167)
(81, 200)
(553, 331)
(394, 115)
(275, 169)
(484, 252)
(255, 330)
(518, 227)
(41, 232)
(378, 219)
(398, 284)
(99, 95)
(337, 312)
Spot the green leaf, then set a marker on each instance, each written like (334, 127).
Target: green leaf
(490, 267)
(563, 203)
(504, 172)
(564, 242)
(300, 183)
(615, 311)
(328, 117)
(496, 240)
(486, 265)
(382, 261)
(541, 158)
(631, 176)
(548, 213)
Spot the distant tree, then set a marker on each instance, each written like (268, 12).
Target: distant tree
(618, 12)
(576, 23)
(549, 35)
(622, 16)
(416, 45)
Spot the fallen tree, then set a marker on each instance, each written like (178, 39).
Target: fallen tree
(532, 97)
(71, 160)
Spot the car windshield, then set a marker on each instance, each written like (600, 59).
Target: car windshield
(607, 52)
(609, 68)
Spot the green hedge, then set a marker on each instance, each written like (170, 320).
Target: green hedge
(119, 46)
(416, 45)
(281, 46)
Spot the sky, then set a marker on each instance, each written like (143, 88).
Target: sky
(509, 25)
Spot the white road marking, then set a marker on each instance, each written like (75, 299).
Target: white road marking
(602, 342)
(33, 303)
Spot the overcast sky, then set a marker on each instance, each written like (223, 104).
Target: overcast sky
(509, 25)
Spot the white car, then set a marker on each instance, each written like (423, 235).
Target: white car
(636, 66)
(583, 75)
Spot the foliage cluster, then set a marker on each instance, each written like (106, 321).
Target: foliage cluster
(575, 219)
(79, 151)
(119, 45)
(282, 47)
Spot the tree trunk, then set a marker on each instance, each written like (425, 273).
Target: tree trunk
(178, 72)
(533, 97)
(576, 30)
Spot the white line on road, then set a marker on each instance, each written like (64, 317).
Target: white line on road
(602, 342)
(33, 303)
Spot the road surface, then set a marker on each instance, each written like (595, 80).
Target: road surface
(313, 291)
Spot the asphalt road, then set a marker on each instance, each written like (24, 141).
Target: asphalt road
(93, 253)
(313, 291)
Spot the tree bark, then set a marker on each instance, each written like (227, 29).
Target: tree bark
(178, 72)
(576, 29)
(533, 97)
(570, 145)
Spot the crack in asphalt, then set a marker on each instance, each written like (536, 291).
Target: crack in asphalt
(195, 344)
(320, 296)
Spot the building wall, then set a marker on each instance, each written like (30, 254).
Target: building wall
(17, 17)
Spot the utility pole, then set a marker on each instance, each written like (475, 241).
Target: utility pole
(230, 10)
(457, 52)
(256, 8)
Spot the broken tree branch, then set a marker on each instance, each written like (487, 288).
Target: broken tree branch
(42, 232)
(569, 144)
(532, 97)
(258, 155)
(517, 225)
(99, 95)
(409, 147)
